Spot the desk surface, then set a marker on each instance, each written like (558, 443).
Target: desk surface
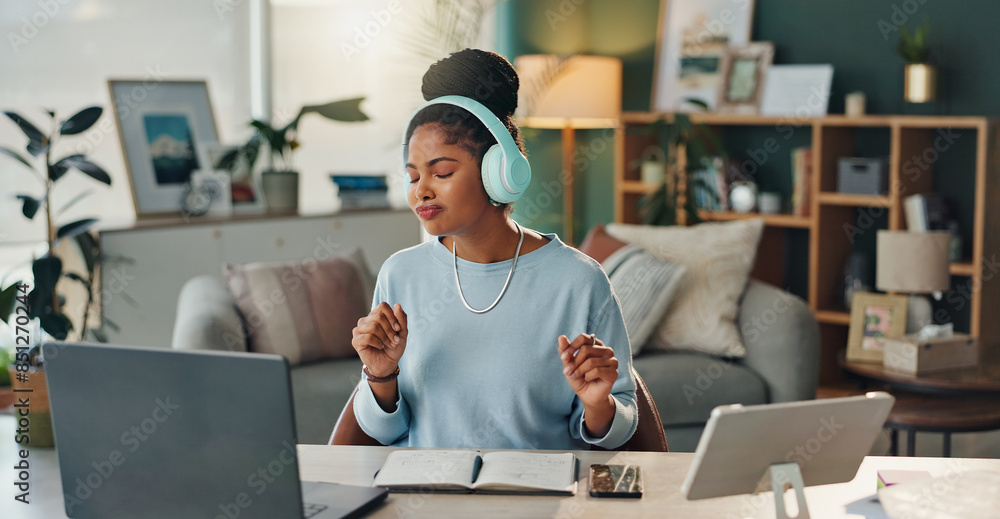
(663, 474)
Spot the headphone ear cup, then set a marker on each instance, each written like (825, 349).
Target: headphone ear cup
(492, 171)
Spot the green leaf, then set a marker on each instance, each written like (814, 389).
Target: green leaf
(30, 207)
(57, 170)
(88, 168)
(82, 121)
(74, 228)
(16, 155)
(46, 271)
(37, 143)
(7, 301)
(228, 160)
(89, 248)
(348, 110)
(56, 325)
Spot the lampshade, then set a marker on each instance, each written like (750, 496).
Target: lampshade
(575, 91)
(913, 263)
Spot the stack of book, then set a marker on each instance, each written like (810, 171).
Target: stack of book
(362, 191)
(801, 178)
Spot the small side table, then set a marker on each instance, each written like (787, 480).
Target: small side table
(961, 400)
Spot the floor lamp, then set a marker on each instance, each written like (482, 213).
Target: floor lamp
(569, 93)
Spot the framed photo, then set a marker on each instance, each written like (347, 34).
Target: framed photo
(160, 125)
(874, 317)
(743, 72)
(692, 39)
(244, 187)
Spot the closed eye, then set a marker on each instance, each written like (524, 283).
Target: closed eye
(445, 176)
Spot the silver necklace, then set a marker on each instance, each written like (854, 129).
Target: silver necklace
(454, 261)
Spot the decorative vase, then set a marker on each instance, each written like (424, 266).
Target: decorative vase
(281, 191)
(920, 83)
(33, 425)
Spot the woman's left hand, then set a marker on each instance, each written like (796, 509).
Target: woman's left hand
(590, 368)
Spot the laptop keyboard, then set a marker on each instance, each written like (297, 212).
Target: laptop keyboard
(311, 509)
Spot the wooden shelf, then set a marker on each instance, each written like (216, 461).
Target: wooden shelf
(833, 317)
(772, 220)
(962, 269)
(832, 137)
(854, 200)
(638, 187)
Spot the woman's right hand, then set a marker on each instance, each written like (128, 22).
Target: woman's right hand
(380, 338)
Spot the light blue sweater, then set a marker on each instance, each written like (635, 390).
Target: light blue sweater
(495, 380)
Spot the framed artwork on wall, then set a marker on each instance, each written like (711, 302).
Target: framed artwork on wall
(692, 39)
(874, 317)
(160, 125)
(743, 72)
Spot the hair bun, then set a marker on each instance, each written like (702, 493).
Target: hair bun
(484, 76)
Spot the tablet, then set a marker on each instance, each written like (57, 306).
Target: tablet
(827, 438)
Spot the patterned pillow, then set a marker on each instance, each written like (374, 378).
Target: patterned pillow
(718, 257)
(644, 286)
(304, 310)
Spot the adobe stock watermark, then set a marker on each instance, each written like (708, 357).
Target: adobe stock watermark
(132, 439)
(563, 12)
(31, 25)
(901, 14)
(378, 21)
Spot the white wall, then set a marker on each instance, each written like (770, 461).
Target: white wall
(60, 53)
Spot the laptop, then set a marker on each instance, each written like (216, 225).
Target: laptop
(826, 438)
(146, 432)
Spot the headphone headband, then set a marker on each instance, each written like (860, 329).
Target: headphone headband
(506, 173)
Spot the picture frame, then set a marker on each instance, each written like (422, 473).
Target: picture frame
(246, 196)
(692, 38)
(160, 125)
(874, 317)
(744, 71)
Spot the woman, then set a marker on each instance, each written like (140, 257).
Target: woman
(467, 344)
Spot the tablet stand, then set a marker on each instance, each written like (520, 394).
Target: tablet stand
(784, 476)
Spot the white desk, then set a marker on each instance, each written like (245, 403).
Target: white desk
(662, 473)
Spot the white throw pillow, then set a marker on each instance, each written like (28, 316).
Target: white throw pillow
(645, 285)
(718, 257)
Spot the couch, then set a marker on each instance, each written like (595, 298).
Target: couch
(779, 330)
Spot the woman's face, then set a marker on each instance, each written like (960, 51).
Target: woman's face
(446, 188)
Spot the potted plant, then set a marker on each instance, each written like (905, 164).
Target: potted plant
(920, 76)
(279, 180)
(673, 201)
(43, 300)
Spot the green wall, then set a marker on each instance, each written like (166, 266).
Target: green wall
(858, 37)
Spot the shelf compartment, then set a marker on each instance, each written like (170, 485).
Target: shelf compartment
(844, 199)
(771, 220)
(638, 186)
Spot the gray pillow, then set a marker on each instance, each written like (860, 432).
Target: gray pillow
(645, 285)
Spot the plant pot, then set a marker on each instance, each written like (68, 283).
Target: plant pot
(281, 191)
(33, 419)
(920, 83)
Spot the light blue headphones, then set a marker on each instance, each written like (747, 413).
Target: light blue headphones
(506, 173)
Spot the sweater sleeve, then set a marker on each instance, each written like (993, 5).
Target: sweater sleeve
(385, 427)
(609, 327)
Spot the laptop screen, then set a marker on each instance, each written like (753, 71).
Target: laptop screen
(155, 433)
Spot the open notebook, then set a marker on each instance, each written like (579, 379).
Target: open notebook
(470, 471)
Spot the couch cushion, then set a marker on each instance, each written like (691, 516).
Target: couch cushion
(304, 310)
(320, 391)
(718, 257)
(645, 286)
(687, 385)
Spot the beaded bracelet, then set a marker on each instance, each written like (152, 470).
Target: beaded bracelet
(381, 380)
